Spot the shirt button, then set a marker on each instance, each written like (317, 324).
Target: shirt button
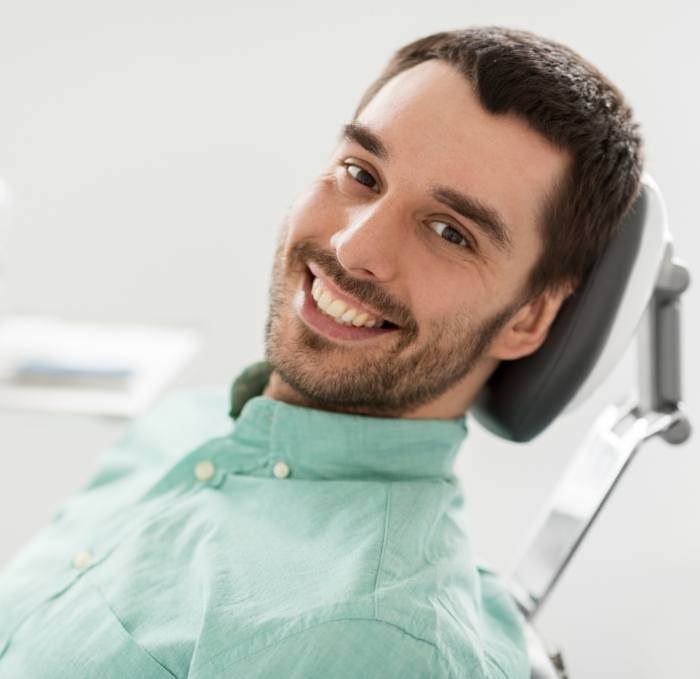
(280, 470)
(82, 559)
(205, 470)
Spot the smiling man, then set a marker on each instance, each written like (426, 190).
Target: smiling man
(402, 262)
(323, 535)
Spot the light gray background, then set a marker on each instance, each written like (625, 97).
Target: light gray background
(153, 148)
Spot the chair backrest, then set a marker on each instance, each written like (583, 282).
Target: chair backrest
(592, 330)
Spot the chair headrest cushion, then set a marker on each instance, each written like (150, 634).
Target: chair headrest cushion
(522, 397)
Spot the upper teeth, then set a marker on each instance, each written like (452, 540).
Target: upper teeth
(339, 311)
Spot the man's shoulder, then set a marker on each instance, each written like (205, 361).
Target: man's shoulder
(430, 585)
(186, 410)
(181, 420)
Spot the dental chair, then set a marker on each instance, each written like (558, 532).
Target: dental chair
(633, 290)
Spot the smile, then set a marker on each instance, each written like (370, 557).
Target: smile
(335, 314)
(339, 310)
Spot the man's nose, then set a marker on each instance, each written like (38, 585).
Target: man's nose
(369, 245)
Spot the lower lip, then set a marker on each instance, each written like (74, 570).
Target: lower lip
(325, 325)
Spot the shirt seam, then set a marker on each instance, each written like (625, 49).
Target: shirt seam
(387, 510)
(118, 620)
(327, 622)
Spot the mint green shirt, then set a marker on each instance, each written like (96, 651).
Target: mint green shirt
(294, 543)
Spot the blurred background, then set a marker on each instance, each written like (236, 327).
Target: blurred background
(148, 152)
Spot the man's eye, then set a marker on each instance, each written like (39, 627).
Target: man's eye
(450, 234)
(361, 176)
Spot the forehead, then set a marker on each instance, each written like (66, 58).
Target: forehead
(436, 131)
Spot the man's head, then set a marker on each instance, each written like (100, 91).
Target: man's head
(482, 174)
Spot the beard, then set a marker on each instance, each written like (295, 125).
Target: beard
(421, 365)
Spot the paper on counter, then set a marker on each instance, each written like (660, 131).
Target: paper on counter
(102, 369)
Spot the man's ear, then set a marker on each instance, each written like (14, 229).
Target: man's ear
(525, 332)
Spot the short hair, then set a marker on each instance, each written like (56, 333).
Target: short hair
(567, 100)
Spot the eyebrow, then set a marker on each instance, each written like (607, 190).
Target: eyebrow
(368, 140)
(485, 217)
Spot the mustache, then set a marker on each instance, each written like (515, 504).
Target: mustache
(363, 290)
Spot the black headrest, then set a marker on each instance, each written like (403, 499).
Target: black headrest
(523, 396)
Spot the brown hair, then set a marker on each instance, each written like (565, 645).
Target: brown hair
(567, 100)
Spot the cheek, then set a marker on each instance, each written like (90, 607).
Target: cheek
(441, 290)
(314, 214)
(434, 313)
(451, 301)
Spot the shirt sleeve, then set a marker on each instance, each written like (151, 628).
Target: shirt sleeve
(342, 649)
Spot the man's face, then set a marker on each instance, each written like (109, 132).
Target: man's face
(426, 222)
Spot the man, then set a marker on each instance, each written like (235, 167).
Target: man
(324, 535)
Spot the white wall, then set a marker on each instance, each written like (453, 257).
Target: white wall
(153, 148)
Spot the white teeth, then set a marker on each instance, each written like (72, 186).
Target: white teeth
(316, 289)
(360, 319)
(336, 308)
(324, 301)
(339, 311)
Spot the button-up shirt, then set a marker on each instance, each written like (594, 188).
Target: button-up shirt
(290, 543)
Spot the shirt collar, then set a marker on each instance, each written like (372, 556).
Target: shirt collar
(321, 444)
